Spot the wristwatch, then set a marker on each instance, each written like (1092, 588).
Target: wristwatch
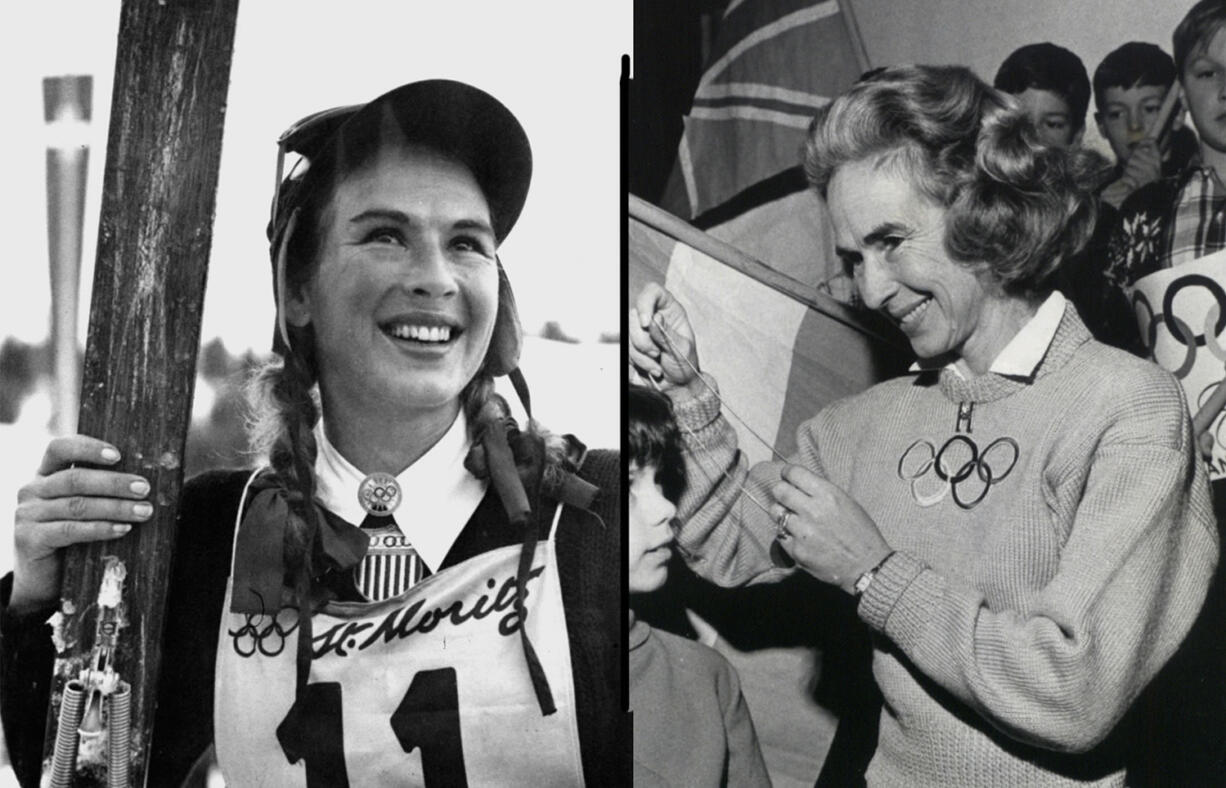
(866, 579)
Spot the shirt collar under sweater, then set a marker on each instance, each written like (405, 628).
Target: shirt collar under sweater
(439, 495)
(1070, 334)
(1021, 356)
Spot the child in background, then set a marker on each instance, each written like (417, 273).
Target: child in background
(1129, 87)
(1167, 223)
(1180, 218)
(1052, 85)
(691, 724)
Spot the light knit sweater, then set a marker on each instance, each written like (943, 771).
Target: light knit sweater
(1011, 637)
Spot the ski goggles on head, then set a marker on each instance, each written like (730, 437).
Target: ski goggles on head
(305, 138)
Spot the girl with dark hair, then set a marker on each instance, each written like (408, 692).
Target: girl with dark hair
(1022, 519)
(416, 591)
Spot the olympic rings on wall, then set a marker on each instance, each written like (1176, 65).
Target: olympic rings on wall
(957, 465)
(1213, 317)
(1168, 305)
(1182, 327)
(1181, 314)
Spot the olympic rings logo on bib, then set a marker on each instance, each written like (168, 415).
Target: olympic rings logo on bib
(264, 632)
(958, 469)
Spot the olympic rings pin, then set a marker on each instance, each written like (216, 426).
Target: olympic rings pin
(956, 464)
(379, 494)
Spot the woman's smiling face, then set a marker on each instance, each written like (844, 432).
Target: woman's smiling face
(891, 238)
(404, 294)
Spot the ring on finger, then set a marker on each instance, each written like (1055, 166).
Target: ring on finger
(782, 531)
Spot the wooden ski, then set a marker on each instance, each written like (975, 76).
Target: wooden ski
(172, 73)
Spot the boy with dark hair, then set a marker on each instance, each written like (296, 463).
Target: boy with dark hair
(1052, 85)
(691, 724)
(1157, 250)
(1129, 87)
(1177, 219)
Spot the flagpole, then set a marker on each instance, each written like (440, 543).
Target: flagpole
(1158, 129)
(1209, 411)
(723, 252)
(853, 35)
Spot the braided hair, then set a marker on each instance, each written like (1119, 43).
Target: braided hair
(283, 394)
(520, 466)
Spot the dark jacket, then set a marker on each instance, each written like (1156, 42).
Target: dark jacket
(588, 548)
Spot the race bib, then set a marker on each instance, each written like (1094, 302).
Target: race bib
(429, 688)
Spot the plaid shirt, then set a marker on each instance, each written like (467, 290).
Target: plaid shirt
(1167, 223)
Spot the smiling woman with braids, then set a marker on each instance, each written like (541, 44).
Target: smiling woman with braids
(416, 591)
(1022, 518)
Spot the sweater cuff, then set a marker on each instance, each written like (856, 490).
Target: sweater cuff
(13, 624)
(892, 579)
(695, 413)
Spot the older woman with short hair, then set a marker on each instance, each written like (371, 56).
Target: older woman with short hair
(1021, 517)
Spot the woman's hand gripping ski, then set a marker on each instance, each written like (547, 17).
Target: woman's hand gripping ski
(65, 505)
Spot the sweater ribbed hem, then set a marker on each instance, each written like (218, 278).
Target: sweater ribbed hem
(891, 580)
(916, 610)
(694, 414)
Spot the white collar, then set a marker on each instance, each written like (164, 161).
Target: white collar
(439, 494)
(1021, 356)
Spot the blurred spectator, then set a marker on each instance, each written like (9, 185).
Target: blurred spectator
(1052, 85)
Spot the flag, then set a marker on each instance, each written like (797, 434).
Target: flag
(778, 359)
(773, 64)
(780, 350)
(773, 334)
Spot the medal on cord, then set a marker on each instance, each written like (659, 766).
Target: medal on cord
(391, 566)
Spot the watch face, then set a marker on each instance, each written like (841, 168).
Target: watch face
(865, 580)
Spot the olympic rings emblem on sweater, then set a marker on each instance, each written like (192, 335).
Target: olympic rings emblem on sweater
(957, 466)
